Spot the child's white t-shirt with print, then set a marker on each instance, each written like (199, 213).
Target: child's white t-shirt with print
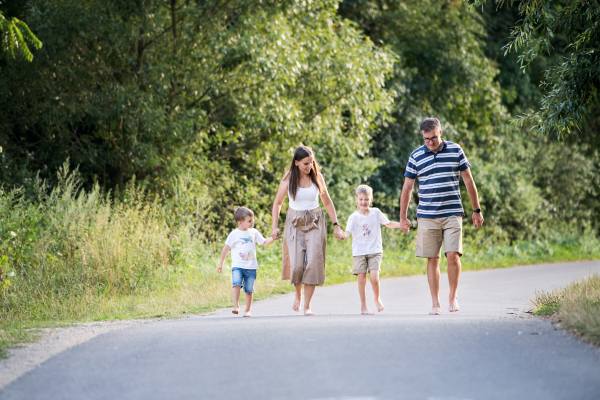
(243, 248)
(366, 232)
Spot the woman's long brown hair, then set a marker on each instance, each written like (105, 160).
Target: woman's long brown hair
(301, 153)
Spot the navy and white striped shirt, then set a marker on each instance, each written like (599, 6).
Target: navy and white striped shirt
(439, 175)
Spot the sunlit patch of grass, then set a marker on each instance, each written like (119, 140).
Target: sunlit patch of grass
(577, 307)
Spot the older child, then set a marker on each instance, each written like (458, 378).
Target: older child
(367, 249)
(242, 243)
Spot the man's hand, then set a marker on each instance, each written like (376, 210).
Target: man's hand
(477, 219)
(405, 225)
(337, 232)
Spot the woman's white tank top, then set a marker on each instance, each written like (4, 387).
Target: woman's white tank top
(306, 198)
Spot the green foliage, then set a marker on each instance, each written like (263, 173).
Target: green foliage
(571, 85)
(576, 306)
(15, 34)
(218, 91)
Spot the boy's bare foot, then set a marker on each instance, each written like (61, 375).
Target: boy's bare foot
(453, 305)
(247, 314)
(308, 312)
(379, 305)
(235, 310)
(435, 311)
(366, 311)
(296, 306)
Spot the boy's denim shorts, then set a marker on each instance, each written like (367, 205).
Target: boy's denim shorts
(244, 277)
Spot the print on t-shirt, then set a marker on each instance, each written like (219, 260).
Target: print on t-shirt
(247, 256)
(366, 231)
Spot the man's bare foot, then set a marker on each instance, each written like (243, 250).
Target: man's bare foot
(296, 306)
(247, 314)
(235, 310)
(366, 311)
(435, 311)
(453, 305)
(308, 312)
(379, 305)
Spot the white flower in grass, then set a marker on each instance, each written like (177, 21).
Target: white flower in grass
(13, 233)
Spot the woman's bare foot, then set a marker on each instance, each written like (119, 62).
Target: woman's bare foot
(453, 305)
(435, 311)
(235, 310)
(379, 305)
(308, 312)
(296, 306)
(247, 314)
(366, 311)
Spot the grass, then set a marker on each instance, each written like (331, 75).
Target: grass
(75, 256)
(577, 307)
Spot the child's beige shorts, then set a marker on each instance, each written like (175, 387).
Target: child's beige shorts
(432, 232)
(366, 263)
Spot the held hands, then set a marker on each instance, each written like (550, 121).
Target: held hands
(338, 233)
(275, 233)
(405, 225)
(477, 219)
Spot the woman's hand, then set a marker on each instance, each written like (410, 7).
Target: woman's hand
(275, 233)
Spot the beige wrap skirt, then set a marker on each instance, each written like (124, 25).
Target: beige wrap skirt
(304, 245)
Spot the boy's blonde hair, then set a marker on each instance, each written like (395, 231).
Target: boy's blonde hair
(364, 189)
(241, 213)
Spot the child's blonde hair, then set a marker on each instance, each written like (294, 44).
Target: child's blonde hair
(241, 213)
(364, 189)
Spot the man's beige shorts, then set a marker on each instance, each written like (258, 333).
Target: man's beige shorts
(431, 232)
(366, 263)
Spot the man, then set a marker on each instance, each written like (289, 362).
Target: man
(438, 165)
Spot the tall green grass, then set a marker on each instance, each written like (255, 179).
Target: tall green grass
(72, 255)
(577, 306)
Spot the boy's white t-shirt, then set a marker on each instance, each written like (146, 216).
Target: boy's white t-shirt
(366, 232)
(243, 248)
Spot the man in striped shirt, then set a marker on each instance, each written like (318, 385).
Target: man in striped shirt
(438, 165)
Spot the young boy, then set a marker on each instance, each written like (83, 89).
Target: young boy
(367, 249)
(242, 243)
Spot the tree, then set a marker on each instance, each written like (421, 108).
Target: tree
(571, 86)
(218, 89)
(15, 34)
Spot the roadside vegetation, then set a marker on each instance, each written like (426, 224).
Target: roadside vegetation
(76, 255)
(175, 114)
(576, 307)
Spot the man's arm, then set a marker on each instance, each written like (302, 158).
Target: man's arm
(472, 190)
(404, 201)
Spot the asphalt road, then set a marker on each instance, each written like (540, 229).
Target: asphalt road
(490, 349)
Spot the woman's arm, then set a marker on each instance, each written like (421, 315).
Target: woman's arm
(281, 192)
(330, 208)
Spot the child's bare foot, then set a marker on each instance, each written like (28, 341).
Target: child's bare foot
(366, 311)
(435, 311)
(296, 306)
(247, 314)
(308, 312)
(453, 305)
(379, 305)
(235, 310)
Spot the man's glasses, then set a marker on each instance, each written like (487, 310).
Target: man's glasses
(432, 140)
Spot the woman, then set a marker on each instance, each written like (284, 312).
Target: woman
(305, 237)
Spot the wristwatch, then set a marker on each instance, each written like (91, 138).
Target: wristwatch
(336, 224)
(477, 210)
